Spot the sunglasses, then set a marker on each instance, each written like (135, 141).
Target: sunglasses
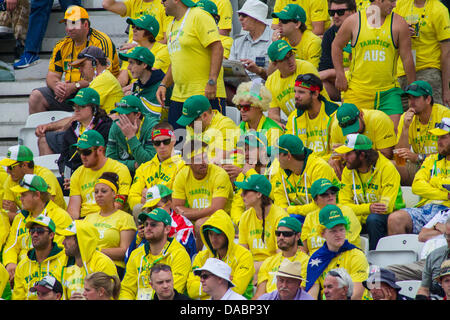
(137, 28)
(327, 194)
(85, 152)
(283, 21)
(38, 230)
(242, 15)
(348, 123)
(13, 166)
(286, 234)
(152, 224)
(340, 12)
(304, 77)
(244, 107)
(166, 142)
(204, 276)
(442, 125)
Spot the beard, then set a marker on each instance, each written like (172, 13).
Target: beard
(303, 106)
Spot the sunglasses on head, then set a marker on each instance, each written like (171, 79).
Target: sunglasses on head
(415, 87)
(442, 125)
(286, 234)
(85, 152)
(38, 230)
(244, 107)
(157, 143)
(24, 184)
(340, 12)
(348, 123)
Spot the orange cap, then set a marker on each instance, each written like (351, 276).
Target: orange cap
(75, 13)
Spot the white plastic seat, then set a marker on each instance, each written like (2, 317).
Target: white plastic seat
(409, 288)
(409, 197)
(384, 258)
(50, 162)
(234, 114)
(401, 242)
(364, 245)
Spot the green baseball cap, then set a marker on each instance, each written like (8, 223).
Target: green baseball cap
(347, 115)
(155, 194)
(189, 3)
(16, 154)
(330, 216)
(129, 104)
(278, 50)
(209, 7)
(89, 139)
(146, 22)
(291, 12)
(86, 96)
(42, 220)
(31, 182)
(355, 141)
(193, 107)
(321, 186)
(419, 88)
(289, 143)
(256, 182)
(139, 53)
(208, 228)
(291, 223)
(157, 214)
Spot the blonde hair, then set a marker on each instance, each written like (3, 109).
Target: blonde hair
(243, 93)
(111, 284)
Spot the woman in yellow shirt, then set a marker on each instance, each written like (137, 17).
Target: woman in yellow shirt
(116, 228)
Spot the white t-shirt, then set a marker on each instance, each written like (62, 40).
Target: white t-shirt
(438, 241)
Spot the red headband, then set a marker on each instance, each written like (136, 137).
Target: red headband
(162, 132)
(307, 86)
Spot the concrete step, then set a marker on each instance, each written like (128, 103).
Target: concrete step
(19, 89)
(5, 144)
(37, 71)
(14, 115)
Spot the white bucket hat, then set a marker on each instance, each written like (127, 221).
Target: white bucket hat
(256, 9)
(216, 267)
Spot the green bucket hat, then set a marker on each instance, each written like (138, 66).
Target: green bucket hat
(347, 115)
(256, 182)
(291, 223)
(321, 186)
(157, 214)
(31, 182)
(289, 143)
(155, 194)
(193, 107)
(419, 88)
(331, 216)
(42, 220)
(139, 53)
(86, 96)
(16, 154)
(291, 12)
(129, 104)
(278, 50)
(89, 139)
(146, 22)
(355, 141)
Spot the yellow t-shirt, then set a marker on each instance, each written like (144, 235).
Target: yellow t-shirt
(316, 10)
(188, 40)
(54, 187)
(312, 238)
(199, 193)
(65, 52)
(109, 89)
(251, 229)
(109, 229)
(272, 264)
(419, 137)
(433, 26)
(309, 48)
(155, 8)
(227, 42)
(83, 181)
(225, 11)
(378, 127)
(282, 89)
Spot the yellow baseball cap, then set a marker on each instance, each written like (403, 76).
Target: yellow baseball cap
(75, 13)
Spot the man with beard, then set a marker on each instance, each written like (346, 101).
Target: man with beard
(91, 147)
(370, 186)
(159, 249)
(431, 183)
(288, 238)
(314, 116)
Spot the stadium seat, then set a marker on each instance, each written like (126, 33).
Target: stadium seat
(409, 287)
(384, 258)
(409, 197)
(26, 134)
(50, 162)
(364, 245)
(401, 242)
(234, 114)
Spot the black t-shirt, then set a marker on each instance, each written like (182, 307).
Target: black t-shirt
(326, 61)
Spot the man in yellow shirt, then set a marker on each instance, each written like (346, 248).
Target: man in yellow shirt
(314, 116)
(193, 40)
(281, 82)
(79, 36)
(431, 183)
(370, 186)
(415, 142)
(292, 28)
(336, 252)
(91, 147)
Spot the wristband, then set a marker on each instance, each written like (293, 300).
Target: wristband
(162, 85)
